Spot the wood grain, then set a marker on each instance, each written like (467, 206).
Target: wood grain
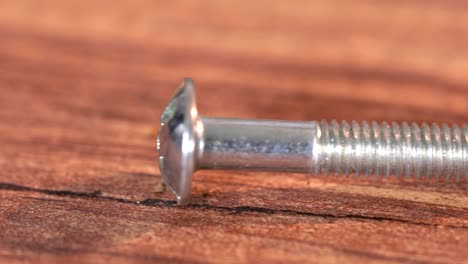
(83, 83)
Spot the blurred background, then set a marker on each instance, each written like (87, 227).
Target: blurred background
(382, 60)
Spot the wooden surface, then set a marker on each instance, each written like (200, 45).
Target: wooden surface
(83, 83)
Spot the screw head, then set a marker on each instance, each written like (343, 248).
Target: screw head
(177, 140)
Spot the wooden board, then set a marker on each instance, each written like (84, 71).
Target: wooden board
(83, 84)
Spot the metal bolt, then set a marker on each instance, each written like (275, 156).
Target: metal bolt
(188, 142)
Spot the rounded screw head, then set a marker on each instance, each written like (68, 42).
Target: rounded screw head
(176, 141)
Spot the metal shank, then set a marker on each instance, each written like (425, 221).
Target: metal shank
(256, 145)
(331, 147)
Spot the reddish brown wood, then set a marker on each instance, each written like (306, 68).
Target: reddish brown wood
(83, 83)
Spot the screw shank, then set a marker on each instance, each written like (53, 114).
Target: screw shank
(338, 148)
(256, 145)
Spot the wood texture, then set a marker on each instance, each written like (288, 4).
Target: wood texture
(83, 83)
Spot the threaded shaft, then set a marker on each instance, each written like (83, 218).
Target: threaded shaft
(398, 150)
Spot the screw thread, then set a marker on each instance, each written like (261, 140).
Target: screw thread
(391, 150)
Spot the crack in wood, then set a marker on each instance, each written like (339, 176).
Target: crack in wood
(236, 210)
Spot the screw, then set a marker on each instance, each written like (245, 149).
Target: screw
(188, 142)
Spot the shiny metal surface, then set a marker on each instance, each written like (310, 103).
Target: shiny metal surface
(257, 145)
(188, 142)
(177, 141)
